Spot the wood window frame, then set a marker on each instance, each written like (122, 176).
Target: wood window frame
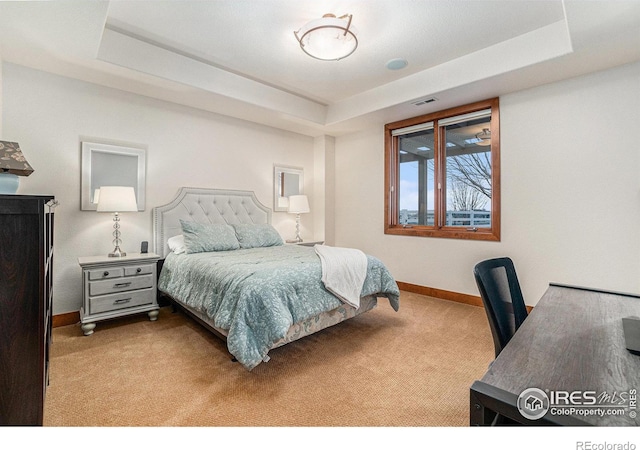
(392, 176)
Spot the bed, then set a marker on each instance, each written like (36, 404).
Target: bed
(251, 289)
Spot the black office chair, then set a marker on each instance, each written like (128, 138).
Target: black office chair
(502, 298)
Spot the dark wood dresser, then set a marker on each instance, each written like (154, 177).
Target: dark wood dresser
(26, 269)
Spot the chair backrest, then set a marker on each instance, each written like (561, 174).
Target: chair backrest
(503, 302)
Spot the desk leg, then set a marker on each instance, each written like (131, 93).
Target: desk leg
(479, 414)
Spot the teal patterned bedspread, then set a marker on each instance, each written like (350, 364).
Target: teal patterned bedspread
(257, 294)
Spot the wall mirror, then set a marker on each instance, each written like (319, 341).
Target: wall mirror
(111, 165)
(286, 181)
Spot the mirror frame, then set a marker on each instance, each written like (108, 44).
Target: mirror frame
(88, 149)
(277, 169)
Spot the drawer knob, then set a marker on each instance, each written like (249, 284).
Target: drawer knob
(138, 270)
(105, 274)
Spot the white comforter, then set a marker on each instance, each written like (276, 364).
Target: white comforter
(343, 272)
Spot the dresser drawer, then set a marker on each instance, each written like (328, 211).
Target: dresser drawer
(120, 284)
(122, 300)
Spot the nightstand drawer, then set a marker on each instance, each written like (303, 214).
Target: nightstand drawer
(103, 274)
(142, 269)
(122, 300)
(120, 284)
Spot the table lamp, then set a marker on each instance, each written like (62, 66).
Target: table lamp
(13, 164)
(298, 204)
(117, 199)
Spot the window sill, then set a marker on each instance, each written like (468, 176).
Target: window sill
(449, 233)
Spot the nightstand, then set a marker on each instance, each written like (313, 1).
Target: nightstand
(308, 244)
(117, 286)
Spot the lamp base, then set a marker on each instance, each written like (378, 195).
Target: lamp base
(9, 183)
(116, 253)
(297, 239)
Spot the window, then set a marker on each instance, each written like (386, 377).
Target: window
(442, 176)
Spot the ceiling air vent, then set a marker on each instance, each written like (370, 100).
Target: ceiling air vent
(424, 101)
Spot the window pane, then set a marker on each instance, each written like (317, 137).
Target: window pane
(415, 190)
(468, 173)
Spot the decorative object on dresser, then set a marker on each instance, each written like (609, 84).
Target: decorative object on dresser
(117, 287)
(116, 199)
(298, 204)
(12, 165)
(26, 294)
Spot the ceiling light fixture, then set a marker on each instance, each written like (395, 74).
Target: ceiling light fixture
(484, 136)
(329, 39)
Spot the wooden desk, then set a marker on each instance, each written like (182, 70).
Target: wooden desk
(572, 341)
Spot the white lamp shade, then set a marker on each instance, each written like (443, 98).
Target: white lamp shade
(117, 199)
(298, 204)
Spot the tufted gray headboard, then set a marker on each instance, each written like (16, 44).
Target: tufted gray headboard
(205, 206)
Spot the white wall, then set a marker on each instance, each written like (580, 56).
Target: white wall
(570, 193)
(50, 115)
(570, 183)
(324, 189)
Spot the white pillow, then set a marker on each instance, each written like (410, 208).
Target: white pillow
(176, 244)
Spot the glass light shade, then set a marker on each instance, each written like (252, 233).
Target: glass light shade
(117, 199)
(298, 204)
(329, 38)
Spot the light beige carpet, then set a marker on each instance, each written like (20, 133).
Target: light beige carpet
(410, 368)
